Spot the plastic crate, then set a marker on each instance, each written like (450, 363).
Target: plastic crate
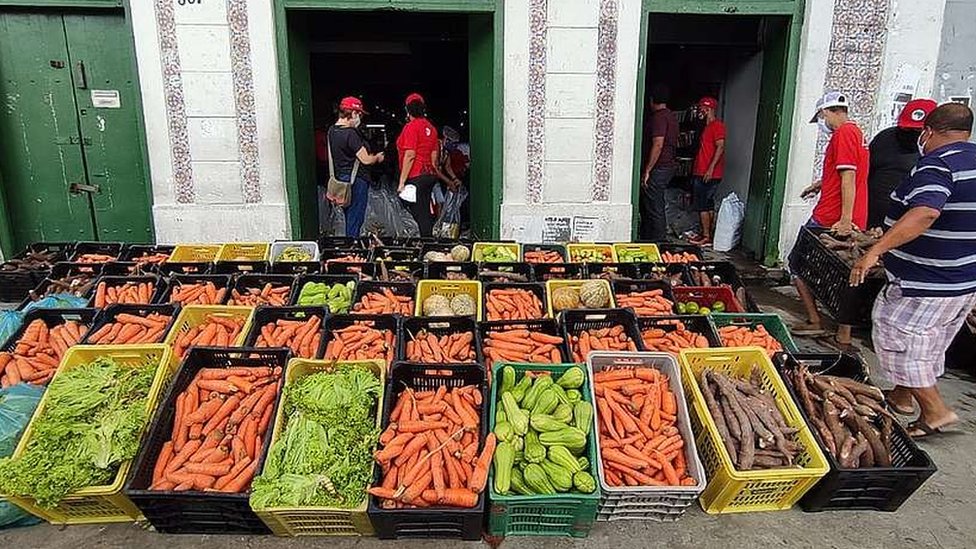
(558, 248)
(308, 246)
(699, 324)
(390, 323)
(569, 514)
(658, 503)
(478, 252)
(536, 288)
(449, 289)
(675, 274)
(363, 271)
(320, 521)
(62, 250)
(876, 488)
(42, 289)
(516, 268)
(439, 326)
(400, 289)
(339, 242)
(327, 279)
(344, 255)
(431, 522)
(665, 247)
(771, 322)
(105, 503)
(170, 268)
(559, 271)
(112, 249)
(269, 315)
(159, 286)
(546, 326)
(727, 275)
(575, 321)
(15, 286)
(439, 270)
(126, 268)
(192, 511)
(175, 281)
(624, 287)
(194, 253)
(705, 296)
(251, 281)
(443, 247)
(243, 252)
(390, 253)
(51, 318)
(108, 315)
(553, 285)
(650, 251)
(195, 315)
(416, 270)
(134, 252)
(730, 490)
(612, 271)
(573, 249)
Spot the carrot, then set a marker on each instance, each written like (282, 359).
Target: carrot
(165, 455)
(180, 458)
(222, 413)
(242, 480)
(480, 476)
(454, 497)
(211, 469)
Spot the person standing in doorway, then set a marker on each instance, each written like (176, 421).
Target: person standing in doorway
(346, 152)
(893, 153)
(419, 152)
(843, 188)
(660, 166)
(708, 168)
(930, 259)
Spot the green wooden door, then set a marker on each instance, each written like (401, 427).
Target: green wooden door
(485, 197)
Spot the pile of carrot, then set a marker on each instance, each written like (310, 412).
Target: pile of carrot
(151, 259)
(349, 258)
(657, 339)
(361, 341)
(647, 303)
(301, 336)
(679, 257)
(543, 256)
(428, 348)
(600, 339)
(268, 294)
(522, 345)
(218, 428)
(38, 352)
(201, 293)
(95, 258)
(132, 329)
(513, 304)
(639, 442)
(127, 293)
(384, 302)
(430, 453)
(742, 336)
(218, 330)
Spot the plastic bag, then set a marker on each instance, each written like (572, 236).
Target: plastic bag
(728, 225)
(386, 216)
(448, 223)
(57, 301)
(332, 218)
(10, 322)
(17, 405)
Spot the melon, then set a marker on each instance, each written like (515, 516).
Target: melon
(460, 253)
(436, 256)
(436, 304)
(565, 298)
(464, 305)
(594, 294)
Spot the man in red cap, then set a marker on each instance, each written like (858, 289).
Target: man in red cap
(894, 152)
(708, 168)
(419, 152)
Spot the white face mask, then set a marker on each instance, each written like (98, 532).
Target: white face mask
(824, 127)
(357, 119)
(921, 144)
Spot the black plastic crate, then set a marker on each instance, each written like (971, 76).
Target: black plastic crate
(47, 286)
(439, 270)
(612, 271)
(108, 314)
(537, 288)
(126, 268)
(401, 271)
(575, 321)
(699, 324)
(219, 281)
(442, 246)
(398, 288)
(134, 252)
(170, 268)
(267, 315)
(675, 274)
(17, 279)
(52, 318)
(339, 242)
(719, 273)
(379, 322)
(113, 249)
(623, 287)
(296, 267)
(159, 286)
(876, 488)
(342, 255)
(66, 268)
(559, 271)
(235, 267)
(546, 326)
(362, 270)
(390, 253)
(520, 269)
(667, 247)
(62, 250)
(828, 277)
(328, 279)
(439, 326)
(250, 281)
(431, 522)
(195, 512)
(559, 248)
(962, 349)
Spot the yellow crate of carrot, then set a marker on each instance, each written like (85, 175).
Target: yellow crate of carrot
(209, 325)
(590, 252)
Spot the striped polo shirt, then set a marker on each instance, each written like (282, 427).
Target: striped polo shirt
(942, 261)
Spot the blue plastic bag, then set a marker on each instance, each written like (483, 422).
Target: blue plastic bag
(57, 301)
(10, 322)
(17, 405)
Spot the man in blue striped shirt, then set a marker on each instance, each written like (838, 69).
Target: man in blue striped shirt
(929, 252)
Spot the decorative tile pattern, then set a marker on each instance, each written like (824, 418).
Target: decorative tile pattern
(247, 130)
(606, 88)
(179, 143)
(534, 151)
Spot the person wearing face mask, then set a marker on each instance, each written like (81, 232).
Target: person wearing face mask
(419, 152)
(843, 202)
(929, 253)
(893, 153)
(346, 152)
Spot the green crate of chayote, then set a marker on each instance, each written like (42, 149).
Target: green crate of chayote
(546, 453)
(337, 295)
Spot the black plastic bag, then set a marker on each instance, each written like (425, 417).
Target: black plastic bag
(386, 216)
(448, 224)
(332, 218)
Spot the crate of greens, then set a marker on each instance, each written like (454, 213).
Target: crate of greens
(194, 289)
(333, 291)
(320, 464)
(32, 354)
(207, 441)
(543, 480)
(297, 328)
(758, 452)
(65, 468)
(496, 252)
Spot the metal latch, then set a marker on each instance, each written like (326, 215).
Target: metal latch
(73, 140)
(78, 188)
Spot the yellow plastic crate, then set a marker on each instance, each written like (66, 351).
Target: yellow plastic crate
(320, 521)
(194, 253)
(478, 252)
(650, 250)
(553, 285)
(194, 315)
(574, 248)
(106, 503)
(730, 490)
(448, 289)
(244, 251)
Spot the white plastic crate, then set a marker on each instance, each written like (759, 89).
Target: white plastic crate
(279, 246)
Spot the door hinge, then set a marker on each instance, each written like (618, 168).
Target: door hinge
(78, 188)
(80, 76)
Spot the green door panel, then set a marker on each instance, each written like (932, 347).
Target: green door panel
(40, 154)
(101, 62)
(485, 199)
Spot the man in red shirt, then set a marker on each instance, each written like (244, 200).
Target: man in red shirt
(843, 188)
(708, 168)
(419, 152)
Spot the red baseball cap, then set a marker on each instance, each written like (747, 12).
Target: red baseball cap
(913, 116)
(708, 102)
(352, 104)
(414, 97)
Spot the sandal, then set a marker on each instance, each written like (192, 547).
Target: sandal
(919, 429)
(899, 409)
(806, 329)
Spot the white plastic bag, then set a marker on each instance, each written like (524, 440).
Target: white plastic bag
(728, 226)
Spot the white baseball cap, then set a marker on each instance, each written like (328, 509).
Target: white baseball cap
(829, 99)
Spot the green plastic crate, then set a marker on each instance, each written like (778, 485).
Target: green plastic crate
(559, 515)
(772, 322)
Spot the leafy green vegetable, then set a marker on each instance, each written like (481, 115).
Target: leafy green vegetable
(92, 422)
(324, 457)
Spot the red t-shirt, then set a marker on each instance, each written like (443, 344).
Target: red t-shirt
(846, 151)
(421, 136)
(713, 131)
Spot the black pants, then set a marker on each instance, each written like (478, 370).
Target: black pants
(421, 208)
(654, 221)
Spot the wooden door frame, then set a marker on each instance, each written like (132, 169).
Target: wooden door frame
(793, 9)
(300, 212)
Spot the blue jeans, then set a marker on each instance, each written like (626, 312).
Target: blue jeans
(356, 210)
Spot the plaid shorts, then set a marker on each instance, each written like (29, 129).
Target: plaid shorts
(911, 334)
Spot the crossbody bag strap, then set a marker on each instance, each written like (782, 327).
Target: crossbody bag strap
(328, 149)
